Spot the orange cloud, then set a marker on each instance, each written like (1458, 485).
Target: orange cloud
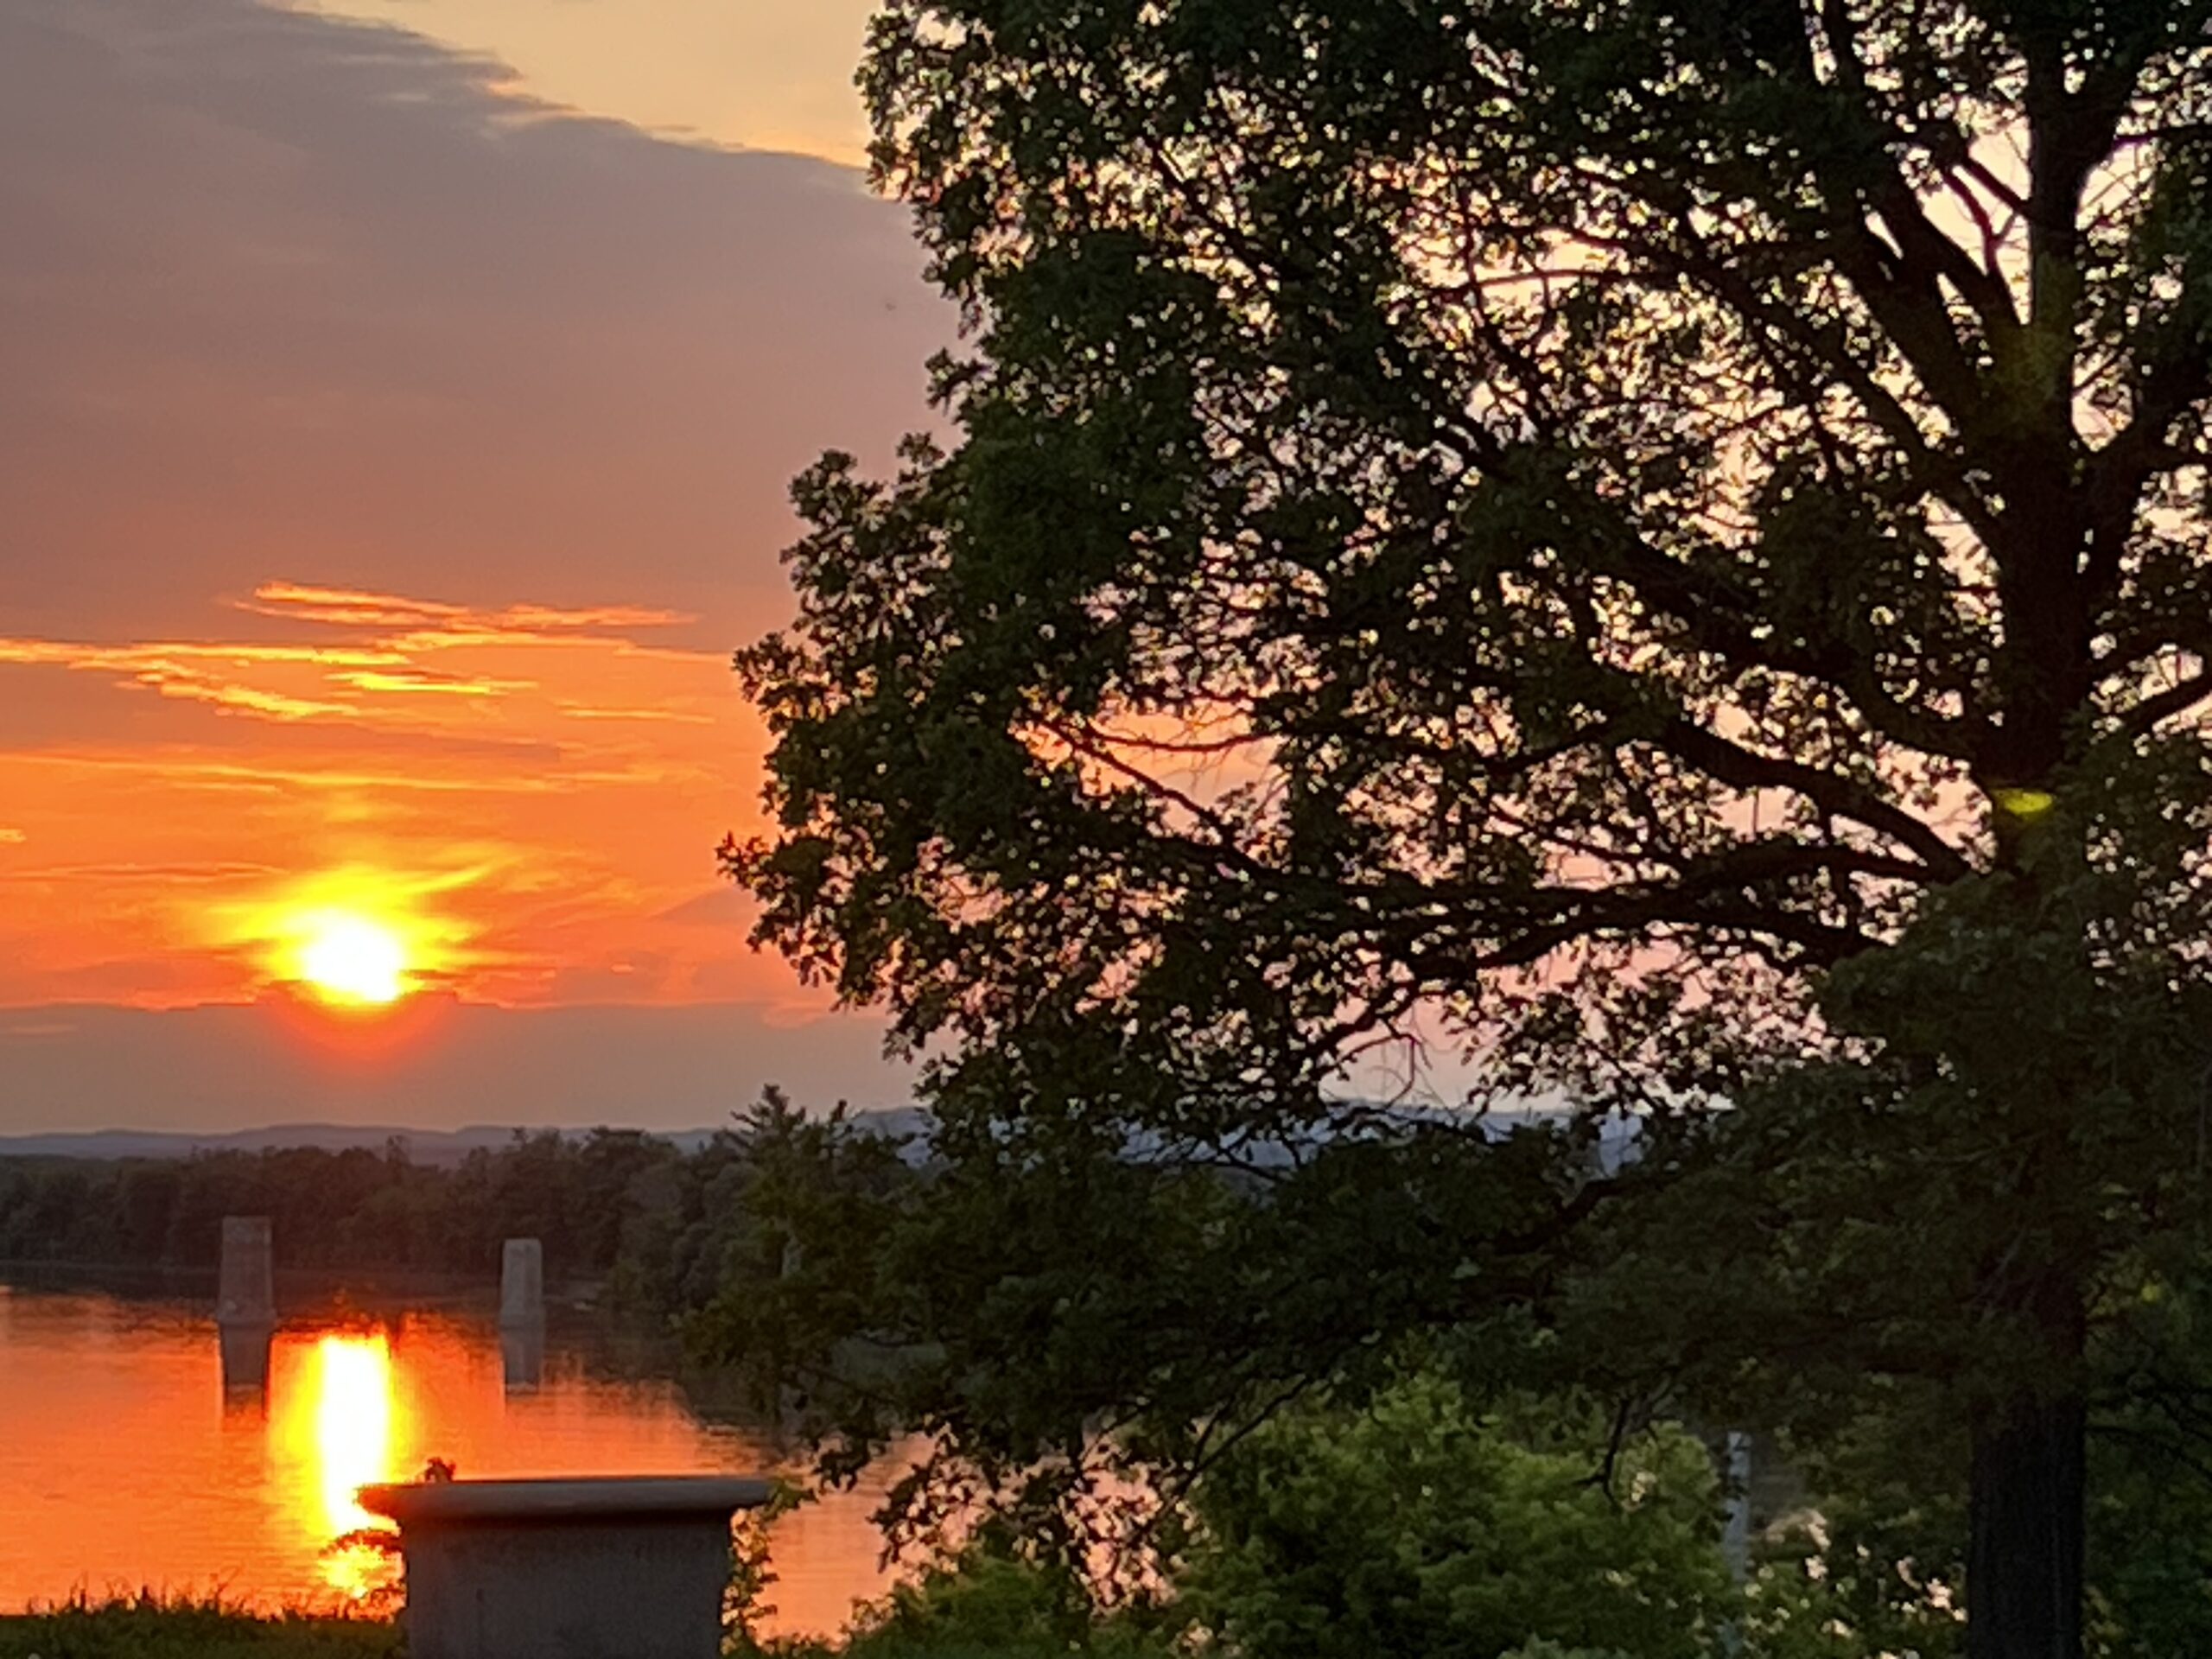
(528, 836)
(414, 680)
(349, 607)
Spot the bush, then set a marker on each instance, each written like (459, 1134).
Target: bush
(1421, 1526)
(989, 1603)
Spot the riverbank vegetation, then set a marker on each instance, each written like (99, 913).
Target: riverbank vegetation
(651, 1221)
(150, 1625)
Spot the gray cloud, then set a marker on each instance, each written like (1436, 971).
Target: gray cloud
(85, 1067)
(290, 296)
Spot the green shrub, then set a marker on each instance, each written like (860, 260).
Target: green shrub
(1421, 1526)
(991, 1602)
(995, 1603)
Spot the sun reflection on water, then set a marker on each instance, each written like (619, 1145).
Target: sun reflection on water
(123, 1464)
(341, 1434)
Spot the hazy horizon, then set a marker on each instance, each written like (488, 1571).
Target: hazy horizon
(439, 1065)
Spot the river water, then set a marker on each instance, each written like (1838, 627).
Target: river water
(124, 1463)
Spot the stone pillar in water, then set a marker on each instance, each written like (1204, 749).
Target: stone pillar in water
(522, 1357)
(522, 1283)
(245, 1302)
(1736, 1530)
(522, 1313)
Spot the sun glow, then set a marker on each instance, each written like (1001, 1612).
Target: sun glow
(350, 959)
(358, 939)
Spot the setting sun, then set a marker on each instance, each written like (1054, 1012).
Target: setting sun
(357, 937)
(351, 959)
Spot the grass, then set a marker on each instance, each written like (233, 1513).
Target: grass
(152, 1625)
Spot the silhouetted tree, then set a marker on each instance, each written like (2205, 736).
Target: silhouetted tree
(1665, 544)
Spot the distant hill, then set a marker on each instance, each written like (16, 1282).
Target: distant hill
(446, 1147)
(423, 1146)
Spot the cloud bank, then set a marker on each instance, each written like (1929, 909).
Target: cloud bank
(213, 1068)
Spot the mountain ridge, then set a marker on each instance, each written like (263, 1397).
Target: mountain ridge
(423, 1146)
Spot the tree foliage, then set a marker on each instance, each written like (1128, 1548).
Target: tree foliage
(663, 1227)
(1445, 489)
(1660, 548)
(1421, 1525)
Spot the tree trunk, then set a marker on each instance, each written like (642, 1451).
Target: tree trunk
(2027, 1522)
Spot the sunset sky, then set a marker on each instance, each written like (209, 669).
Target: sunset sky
(396, 405)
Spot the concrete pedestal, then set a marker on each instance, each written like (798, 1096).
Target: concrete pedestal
(566, 1569)
(522, 1313)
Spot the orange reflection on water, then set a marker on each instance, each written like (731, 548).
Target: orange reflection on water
(336, 1430)
(122, 1463)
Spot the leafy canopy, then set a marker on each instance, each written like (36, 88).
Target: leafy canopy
(1663, 546)
(1422, 1526)
(1539, 519)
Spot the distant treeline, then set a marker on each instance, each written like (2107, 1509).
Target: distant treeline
(662, 1225)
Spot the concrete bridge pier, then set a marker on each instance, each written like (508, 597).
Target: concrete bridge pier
(522, 1314)
(522, 1283)
(246, 1362)
(522, 1357)
(245, 1303)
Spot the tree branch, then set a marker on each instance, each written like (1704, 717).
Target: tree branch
(1747, 769)
(2162, 706)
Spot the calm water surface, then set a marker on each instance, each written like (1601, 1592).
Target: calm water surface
(122, 1463)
